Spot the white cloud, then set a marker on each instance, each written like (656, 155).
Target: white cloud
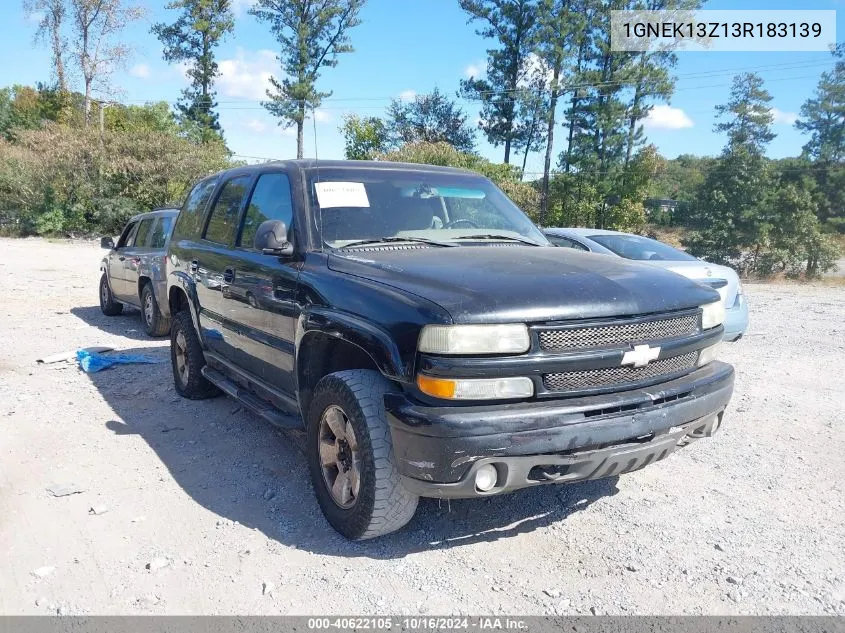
(535, 67)
(780, 117)
(255, 125)
(141, 71)
(473, 70)
(665, 117)
(407, 95)
(35, 17)
(247, 76)
(239, 7)
(322, 116)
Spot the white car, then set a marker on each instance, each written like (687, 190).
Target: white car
(636, 247)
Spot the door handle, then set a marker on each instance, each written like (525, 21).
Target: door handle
(229, 275)
(194, 266)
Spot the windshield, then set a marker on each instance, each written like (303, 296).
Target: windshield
(362, 205)
(641, 248)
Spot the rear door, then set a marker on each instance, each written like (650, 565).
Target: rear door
(259, 298)
(214, 257)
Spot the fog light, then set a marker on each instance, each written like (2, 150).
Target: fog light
(485, 477)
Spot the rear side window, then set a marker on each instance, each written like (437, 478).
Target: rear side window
(160, 232)
(270, 201)
(224, 214)
(190, 218)
(141, 239)
(565, 242)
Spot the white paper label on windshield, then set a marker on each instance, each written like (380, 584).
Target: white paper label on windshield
(341, 194)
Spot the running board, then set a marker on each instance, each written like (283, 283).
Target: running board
(256, 405)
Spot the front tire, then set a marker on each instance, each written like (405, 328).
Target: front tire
(187, 360)
(155, 323)
(108, 305)
(350, 456)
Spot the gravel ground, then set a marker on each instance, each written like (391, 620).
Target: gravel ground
(198, 507)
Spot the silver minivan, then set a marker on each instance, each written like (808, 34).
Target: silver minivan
(134, 271)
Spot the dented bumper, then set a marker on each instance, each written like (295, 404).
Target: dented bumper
(438, 449)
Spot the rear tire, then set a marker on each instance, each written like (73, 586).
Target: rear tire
(108, 305)
(155, 323)
(347, 424)
(187, 360)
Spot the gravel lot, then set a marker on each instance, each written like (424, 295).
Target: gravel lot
(202, 508)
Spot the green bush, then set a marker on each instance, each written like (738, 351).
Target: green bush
(60, 180)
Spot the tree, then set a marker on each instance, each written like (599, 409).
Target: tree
(823, 118)
(734, 204)
(823, 115)
(431, 118)
(311, 35)
(97, 49)
(192, 38)
(561, 26)
(364, 137)
(50, 25)
(513, 24)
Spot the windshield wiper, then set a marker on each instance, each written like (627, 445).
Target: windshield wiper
(383, 240)
(495, 236)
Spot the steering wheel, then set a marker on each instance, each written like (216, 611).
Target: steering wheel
(454, 223)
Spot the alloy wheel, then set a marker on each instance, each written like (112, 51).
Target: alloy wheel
(182, 357)
(340, 457)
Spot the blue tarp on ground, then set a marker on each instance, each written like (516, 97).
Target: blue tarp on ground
(91, 362)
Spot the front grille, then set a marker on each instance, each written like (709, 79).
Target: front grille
(615, 376)
(625, 333)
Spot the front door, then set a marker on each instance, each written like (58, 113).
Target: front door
(132, 259)
(258, 304)
(117, 259)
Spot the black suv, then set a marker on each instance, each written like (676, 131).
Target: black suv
(422, 331)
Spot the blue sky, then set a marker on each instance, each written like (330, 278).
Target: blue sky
(410, 46)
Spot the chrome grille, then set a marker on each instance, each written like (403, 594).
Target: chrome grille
(614, 376)
(603, 335)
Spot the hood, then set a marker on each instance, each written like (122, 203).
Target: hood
(502, 284)
(706, 273)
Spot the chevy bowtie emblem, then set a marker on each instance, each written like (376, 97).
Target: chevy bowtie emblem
(641, 355)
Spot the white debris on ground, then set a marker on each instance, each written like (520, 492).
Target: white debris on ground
(210, 510)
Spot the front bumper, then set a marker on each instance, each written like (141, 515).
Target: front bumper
(736, 320)
(439, 449)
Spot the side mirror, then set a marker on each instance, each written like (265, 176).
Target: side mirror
(107, 242)
(272, 239)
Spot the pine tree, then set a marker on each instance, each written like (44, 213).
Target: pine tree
(192, 38)
(311, 36)
(513, 24)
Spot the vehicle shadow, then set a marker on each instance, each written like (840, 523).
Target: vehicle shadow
(127, 324)
(242, 469)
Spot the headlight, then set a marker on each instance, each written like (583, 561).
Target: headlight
(477, 388)
(712, 315)
(474, 339)
(708, 354)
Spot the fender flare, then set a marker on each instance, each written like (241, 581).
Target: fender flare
(370, 338)
(185, 283)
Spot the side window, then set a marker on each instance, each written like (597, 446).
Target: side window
(124, 238)
(270, 201)
(142, 237)
(224, 214)
(565, 242)
(190, 218)
(160, 232)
